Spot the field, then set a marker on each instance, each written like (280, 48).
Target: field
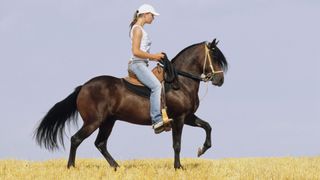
(241, 168)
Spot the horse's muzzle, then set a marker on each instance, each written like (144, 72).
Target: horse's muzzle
(218, 80)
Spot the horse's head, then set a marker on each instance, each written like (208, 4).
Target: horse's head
(202, 62)
(215, 73)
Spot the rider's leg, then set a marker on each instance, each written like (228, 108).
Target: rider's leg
(145, 75)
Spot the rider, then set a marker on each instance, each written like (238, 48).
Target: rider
(138, 64)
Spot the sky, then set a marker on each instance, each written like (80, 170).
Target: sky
(269, 105)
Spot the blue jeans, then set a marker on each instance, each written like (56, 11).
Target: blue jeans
(145, 75)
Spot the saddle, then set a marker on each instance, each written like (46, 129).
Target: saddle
(157, 71)
(164, 72)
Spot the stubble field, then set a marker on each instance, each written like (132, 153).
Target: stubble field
(241, 168)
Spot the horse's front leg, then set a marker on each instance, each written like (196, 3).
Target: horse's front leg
(193, 120)
(177, 126)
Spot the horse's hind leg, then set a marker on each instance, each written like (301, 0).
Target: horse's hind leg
(193, 120)
(102, 138)
(85, 131)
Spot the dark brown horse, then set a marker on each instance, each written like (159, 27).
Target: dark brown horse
(104, 99)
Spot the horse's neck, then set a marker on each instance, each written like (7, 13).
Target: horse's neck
(190, 61)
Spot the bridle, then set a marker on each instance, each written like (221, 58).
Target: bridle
(210, 75)
(203, 77)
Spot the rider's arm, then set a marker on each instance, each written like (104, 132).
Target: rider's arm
(136, 41)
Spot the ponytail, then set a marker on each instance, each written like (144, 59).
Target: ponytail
(134, 20)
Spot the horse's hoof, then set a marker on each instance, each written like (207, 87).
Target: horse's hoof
(203, 150)
(179, 168)
(115, 167)
(70, 165)
(200, 152)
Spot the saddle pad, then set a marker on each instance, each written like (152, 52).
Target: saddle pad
(139, 90)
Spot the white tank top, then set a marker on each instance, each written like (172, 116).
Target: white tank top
(145, 44)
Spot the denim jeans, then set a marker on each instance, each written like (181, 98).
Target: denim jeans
(145, 75)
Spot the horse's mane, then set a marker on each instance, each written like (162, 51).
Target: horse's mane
(184, 51)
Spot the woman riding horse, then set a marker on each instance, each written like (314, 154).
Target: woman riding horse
(103, 100)
(138, 64)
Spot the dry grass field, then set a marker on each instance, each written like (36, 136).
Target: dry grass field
(241, 168)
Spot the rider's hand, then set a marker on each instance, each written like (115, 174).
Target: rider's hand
(158, 56)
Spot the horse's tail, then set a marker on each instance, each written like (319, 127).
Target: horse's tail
(52, 125)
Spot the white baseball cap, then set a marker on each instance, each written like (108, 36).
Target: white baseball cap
(146, 8)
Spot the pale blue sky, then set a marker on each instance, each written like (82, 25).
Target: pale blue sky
(268, 106)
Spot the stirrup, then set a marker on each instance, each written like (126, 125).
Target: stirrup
(165, 117)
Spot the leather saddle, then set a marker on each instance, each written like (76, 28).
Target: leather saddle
(157, 71)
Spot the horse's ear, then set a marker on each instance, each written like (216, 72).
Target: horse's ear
(213, 43)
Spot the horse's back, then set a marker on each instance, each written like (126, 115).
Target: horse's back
(102, 80)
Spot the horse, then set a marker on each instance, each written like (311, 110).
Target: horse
(103, 100)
